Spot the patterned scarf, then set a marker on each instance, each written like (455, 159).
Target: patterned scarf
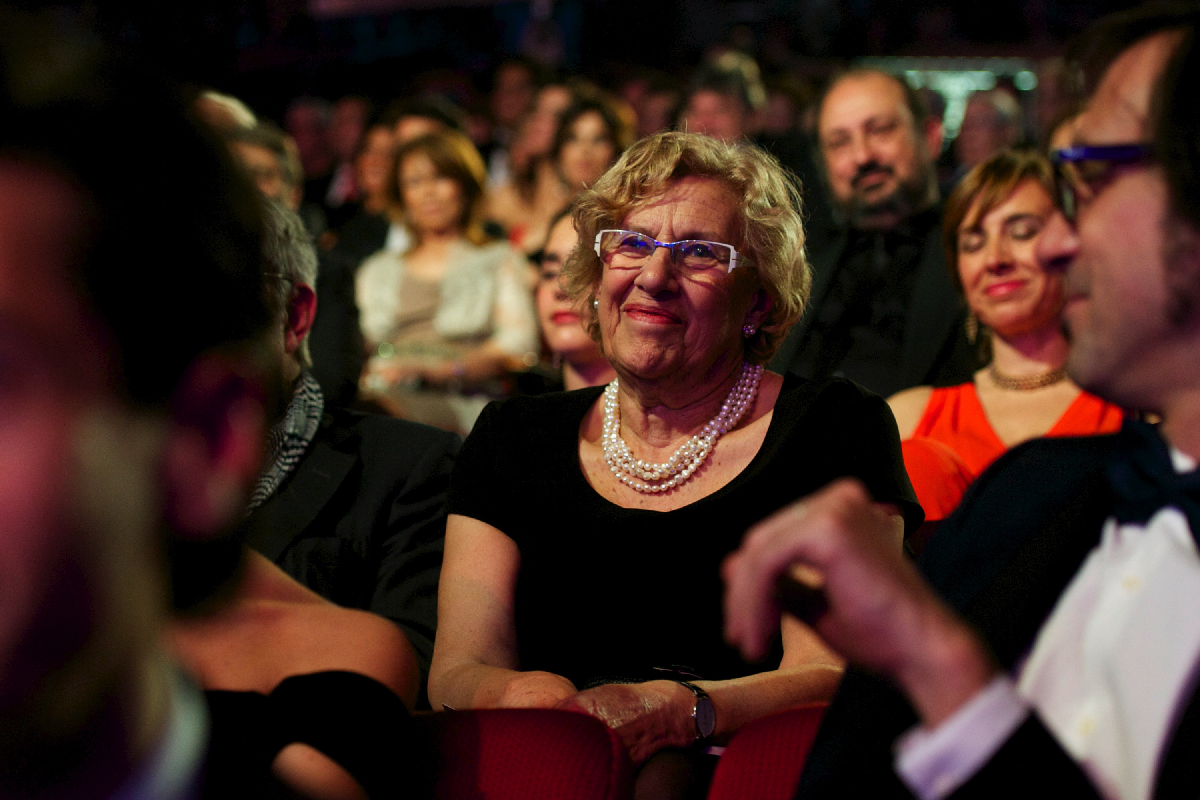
(289, 439)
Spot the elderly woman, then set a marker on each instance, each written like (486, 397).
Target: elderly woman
(452, 311)
(992, 223)
(587, 528)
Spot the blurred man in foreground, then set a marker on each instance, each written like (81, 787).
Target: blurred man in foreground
(132, 416)
(1055, 651)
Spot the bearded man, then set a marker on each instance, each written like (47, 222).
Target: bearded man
(883, 311)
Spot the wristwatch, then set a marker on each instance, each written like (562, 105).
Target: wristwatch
(703, 713)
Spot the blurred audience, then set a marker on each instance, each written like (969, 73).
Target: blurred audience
(450, 315)
(592, 133)
(514, 85)
(307, 121)
(535, 191)
(993, 222)
(656, 99)
(575, 354)
(724, 99)
(788, 120)
(272, 160)
(426, 114)
(885, 313)
(347, 124)
(366, 231)
(790, 107)
(992, 121)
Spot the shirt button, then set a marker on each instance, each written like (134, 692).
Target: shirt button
(1087, 726)
(1131, 583)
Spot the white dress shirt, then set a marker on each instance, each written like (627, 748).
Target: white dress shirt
(1108, 673)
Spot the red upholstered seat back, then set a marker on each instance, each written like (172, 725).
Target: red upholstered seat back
(765, 758)
(517, 754)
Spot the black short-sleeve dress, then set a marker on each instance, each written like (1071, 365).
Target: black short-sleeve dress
(609, 593)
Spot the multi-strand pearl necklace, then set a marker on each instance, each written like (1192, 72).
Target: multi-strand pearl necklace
(677, 469)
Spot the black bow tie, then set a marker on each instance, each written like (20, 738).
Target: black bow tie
(1144, 480)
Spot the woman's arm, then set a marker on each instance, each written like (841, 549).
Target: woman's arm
(651, 716)
(475, 652)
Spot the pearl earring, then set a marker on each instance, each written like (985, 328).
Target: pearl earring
(596, 303)
(749, 330)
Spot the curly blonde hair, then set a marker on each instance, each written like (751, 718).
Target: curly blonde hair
(772, 232)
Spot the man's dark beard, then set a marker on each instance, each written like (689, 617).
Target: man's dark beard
(907, 199)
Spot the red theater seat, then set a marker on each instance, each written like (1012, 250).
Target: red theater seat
(518, 754)
(765, 758)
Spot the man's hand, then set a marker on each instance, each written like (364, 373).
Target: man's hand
(535, 690)
(647, 716)
(880, 612)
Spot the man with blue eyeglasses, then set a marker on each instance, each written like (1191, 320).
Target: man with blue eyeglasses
(1051, 644)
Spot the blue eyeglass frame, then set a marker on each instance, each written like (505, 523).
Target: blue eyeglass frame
(733, 253)
(1116, 154)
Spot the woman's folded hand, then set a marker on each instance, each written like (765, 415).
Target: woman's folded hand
(535, 690)
(647, 716)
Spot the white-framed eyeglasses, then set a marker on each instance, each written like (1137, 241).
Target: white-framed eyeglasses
(629, 250)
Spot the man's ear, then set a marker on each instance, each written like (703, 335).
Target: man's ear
(933, 133)
(301, 311)
(214, 445)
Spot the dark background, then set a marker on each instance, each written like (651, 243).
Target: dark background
(269, 51)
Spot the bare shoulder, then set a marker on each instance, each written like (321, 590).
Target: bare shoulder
(362, 642)
(908, 407)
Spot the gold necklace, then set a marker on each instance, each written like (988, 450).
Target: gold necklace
(1026, 383)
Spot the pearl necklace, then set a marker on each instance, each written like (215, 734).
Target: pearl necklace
(677, 469)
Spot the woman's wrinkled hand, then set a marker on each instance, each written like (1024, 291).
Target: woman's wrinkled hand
(536, 690)
(647, 716)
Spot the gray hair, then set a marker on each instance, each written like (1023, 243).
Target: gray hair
(290, 259)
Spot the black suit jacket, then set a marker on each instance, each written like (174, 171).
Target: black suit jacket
(335, 341)
(934, 351)
(362, 519)
(1002, 560)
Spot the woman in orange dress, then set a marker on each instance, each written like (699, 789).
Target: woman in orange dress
(992, 223)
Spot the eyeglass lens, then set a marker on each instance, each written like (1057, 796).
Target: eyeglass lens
(693, 254)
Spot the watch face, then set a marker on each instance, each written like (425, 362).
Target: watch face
(706, 717)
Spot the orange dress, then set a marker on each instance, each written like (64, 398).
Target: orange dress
(955, 418)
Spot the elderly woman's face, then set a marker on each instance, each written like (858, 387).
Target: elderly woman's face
(658, 321)
(1001, 278)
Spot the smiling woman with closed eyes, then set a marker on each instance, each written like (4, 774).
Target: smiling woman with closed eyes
(992, 223)
(587, 528)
